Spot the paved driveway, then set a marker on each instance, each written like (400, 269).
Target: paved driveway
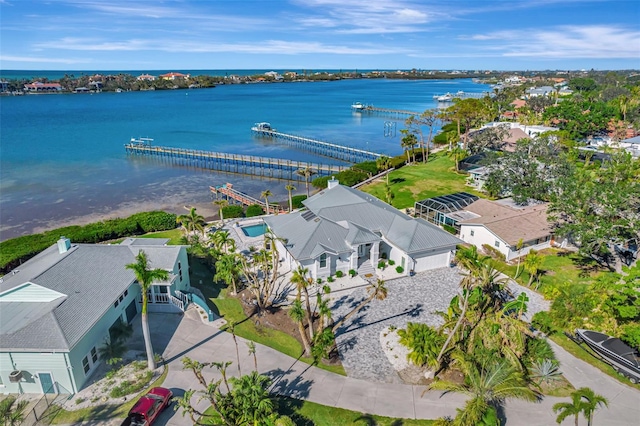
(409, 299)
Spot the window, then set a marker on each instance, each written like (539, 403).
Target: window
(85, 365)
(179, 266)
(497, 243)
(94, 355)
(126, 292)
(121, 297)
(323, 260)
(116, 303)
(180, 273)
(472, 232)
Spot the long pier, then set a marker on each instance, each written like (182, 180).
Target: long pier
(387, 111)
(328, 149)
(276, 168)
(230, 194)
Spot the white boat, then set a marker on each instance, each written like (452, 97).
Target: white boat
(358, 106)
(445, 98)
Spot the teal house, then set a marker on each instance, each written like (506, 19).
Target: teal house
(56, 309)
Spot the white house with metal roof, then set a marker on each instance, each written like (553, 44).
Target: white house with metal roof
(56, 309)
(344, 229)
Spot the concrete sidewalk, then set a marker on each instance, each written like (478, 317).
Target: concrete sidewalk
(188, 336)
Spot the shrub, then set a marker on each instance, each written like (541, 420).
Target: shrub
(392, 262)
(383, 255)
(128, 387)
(352, 272)
(399, 269)
(18, 250)
(254, 210)
(230, 212)
(297, 200)
(382, 264)
(319, 280)
(493, 252)
(543, 322)
(330, 279)
(339, 274)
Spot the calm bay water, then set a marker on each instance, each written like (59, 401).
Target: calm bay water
(62, 157)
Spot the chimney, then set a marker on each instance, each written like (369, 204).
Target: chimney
(64, 244)
(332, 183)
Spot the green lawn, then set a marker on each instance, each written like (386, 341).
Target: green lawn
(174, 235)
(305, 413)
(419, 181)
(230, 309)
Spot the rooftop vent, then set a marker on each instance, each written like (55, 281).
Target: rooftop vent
(332, 183)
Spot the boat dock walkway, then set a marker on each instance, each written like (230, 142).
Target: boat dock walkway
(233, 195)
(387, 111)
(276, 168)
(327, 149)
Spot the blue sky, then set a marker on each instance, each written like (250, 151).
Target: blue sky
(319, 34)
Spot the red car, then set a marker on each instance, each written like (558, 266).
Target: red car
(149, 407)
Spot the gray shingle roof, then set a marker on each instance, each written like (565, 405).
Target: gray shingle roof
(91, 276)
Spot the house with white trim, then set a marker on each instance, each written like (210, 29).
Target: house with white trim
(502, 224)
(57, 309)
(344, 229)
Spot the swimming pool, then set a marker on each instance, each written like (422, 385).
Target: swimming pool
(254, 230)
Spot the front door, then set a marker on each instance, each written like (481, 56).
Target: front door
(46, 382)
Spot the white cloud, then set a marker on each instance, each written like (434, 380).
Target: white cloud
(31, 59)
(190, 46)
(590, 41)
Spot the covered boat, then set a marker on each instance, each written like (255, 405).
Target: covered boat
(624, 359)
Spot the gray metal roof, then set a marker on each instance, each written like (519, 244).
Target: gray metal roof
(347, 217)
(91, 276)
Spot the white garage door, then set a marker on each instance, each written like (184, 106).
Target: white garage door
(432, 262)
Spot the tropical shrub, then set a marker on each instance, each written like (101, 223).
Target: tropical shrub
(423, 341)
(399, 269)
(392, 262)
(352, 272)
(18, 250)
(230, 212)
(382, 264)
(297, 200)
(254, 210)
(339, 274)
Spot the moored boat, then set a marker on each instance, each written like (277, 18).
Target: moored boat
(358, 106)
(623, 358)
(445, 98)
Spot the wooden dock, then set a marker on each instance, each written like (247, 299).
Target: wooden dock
(235, 196)
(327, 149)
(387, 111)
(276, 168)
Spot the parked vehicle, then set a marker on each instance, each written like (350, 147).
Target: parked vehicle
(149, 407)
(624, 359)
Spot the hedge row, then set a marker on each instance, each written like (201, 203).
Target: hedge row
(18, 250)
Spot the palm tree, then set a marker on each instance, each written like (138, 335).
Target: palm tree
(297, 314)
(145, 278)
(423, 341)
(487, 386)
(192, 222)
(251, 397)
(376, 291)
(221, 205)
(252, 351)
(231, 326)
(532, 263)
(112, 351)
(12, 414)
(227, 269)
(590, 402)
(300, 279)
(518, 247)
(384, 163)
(222, 241)
(457, 154)
(266, 194)
(184, 403)
(306, 172)
(408, 141)
(289, 189)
